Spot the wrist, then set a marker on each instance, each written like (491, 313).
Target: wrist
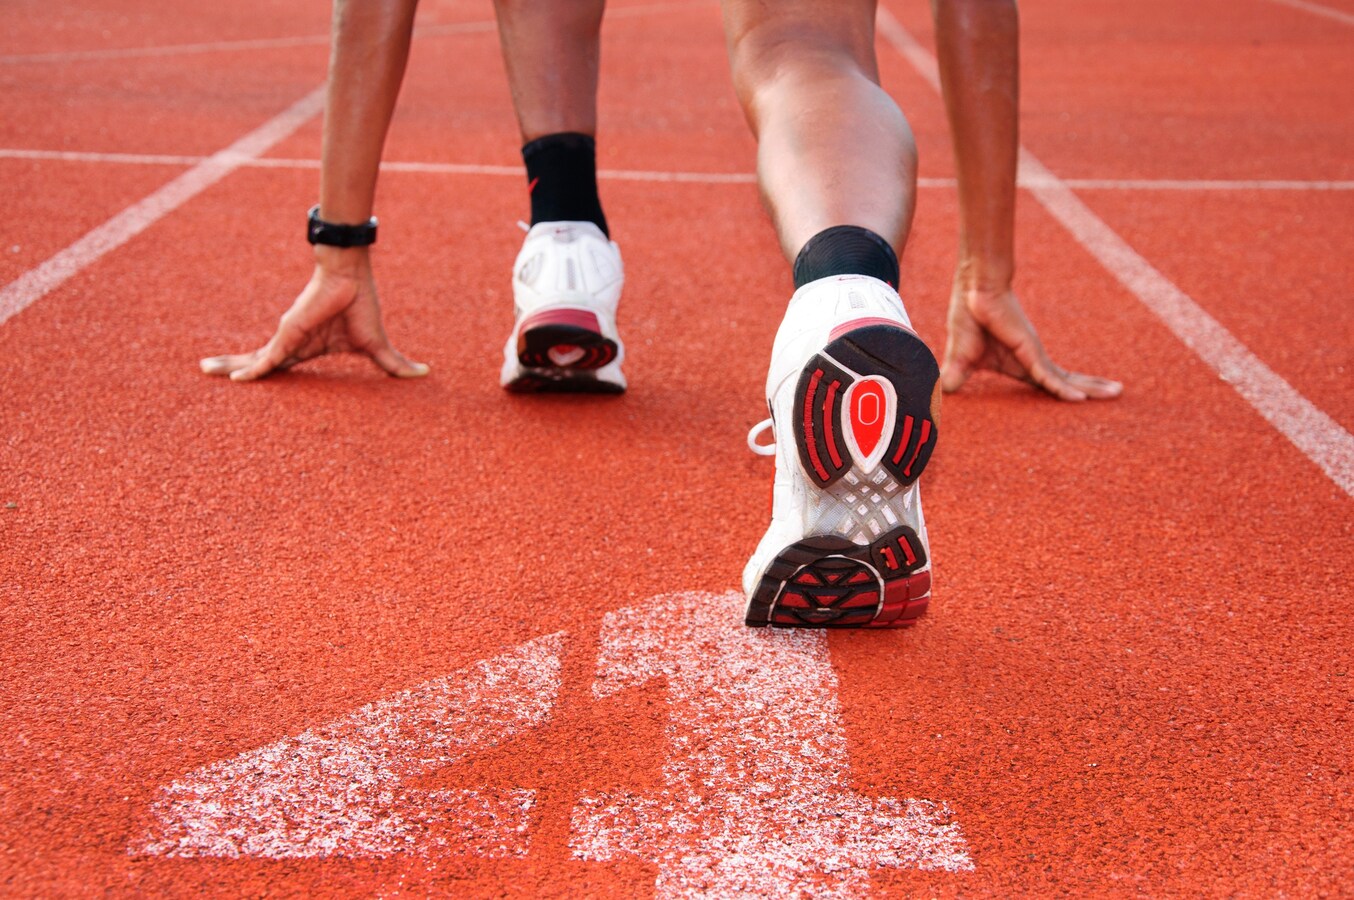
(984, 275)
(345, 262)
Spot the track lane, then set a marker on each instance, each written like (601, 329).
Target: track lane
(71, 201)
(97, 25)
(1205, 90)
(1269, 266)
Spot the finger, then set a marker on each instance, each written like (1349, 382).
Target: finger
(1044, 372)
(280, 352)
(953, 375)
(1095, 387)
(393, 362)
(224, 365)
(1054, 380)
(265, 362)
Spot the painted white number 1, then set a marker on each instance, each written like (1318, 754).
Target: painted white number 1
(757, 800)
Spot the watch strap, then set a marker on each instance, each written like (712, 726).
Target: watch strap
(330, 234)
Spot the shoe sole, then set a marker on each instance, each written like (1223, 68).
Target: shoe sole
(830, 581)
(560, 351)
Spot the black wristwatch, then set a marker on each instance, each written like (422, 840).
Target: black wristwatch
(318, 231)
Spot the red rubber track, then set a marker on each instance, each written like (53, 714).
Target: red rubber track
(1135, 674)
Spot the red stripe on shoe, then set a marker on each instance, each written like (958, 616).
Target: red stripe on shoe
(580, 318)
(808, 424)
(902, 442)
(925, 436)
(828, 424)
(853, 324)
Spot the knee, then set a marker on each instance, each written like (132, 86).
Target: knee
(764, 54)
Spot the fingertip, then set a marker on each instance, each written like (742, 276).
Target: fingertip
(952, 378)
(1108, 390)
(395, 363)
(1099, 388)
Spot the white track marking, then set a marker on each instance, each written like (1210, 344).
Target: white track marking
(37, 282)
(1320, 438)
(1317, 9)
(342, 789)
(303, 40)
(166, 50)
(1316, 434)
(132, 159)
(757, 800)
(1185, 184)
(433, 168)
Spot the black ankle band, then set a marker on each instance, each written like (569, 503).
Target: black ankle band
(562, 179)
(846, 250)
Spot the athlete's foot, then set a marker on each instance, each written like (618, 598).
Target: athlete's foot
(566, 286)
(853, 394)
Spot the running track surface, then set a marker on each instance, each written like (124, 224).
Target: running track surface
(334, 633)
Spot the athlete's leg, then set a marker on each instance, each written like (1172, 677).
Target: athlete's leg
(832, 147)
(551, 50)
(850, 386)
(568, 277)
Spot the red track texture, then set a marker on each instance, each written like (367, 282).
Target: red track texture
(1135, 675)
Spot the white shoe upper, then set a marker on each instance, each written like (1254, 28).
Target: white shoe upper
(859, 506)
(567, 265)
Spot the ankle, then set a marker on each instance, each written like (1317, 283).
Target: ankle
(846, 250)
(562, 179)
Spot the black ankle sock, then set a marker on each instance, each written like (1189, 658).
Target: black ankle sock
(846, 250)
(562, 179)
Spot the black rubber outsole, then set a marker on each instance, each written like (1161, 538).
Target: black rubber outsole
(534, 346)
(828, 581)
(886, 351)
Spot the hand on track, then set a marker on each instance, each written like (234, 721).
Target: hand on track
(989, 330)
(336, 312)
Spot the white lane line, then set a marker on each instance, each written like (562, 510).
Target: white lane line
(37, 282)
(302, 40)
(133, 159)
(432, 168)
(1320, 438)
(1317, 9)
(756, 798)
(1183, 184)
(166, 50)
(343, 788)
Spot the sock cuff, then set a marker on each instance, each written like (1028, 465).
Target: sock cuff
(564, 140)
(846, 250)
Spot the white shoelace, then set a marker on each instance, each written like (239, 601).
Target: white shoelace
(756, 432)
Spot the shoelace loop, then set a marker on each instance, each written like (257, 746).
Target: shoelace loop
(762, 449)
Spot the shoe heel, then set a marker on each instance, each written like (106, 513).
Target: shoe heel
(865, 400)
(563, 338)
(828, 581)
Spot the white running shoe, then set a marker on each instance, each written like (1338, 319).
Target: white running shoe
(853, 394)
(566, 285)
